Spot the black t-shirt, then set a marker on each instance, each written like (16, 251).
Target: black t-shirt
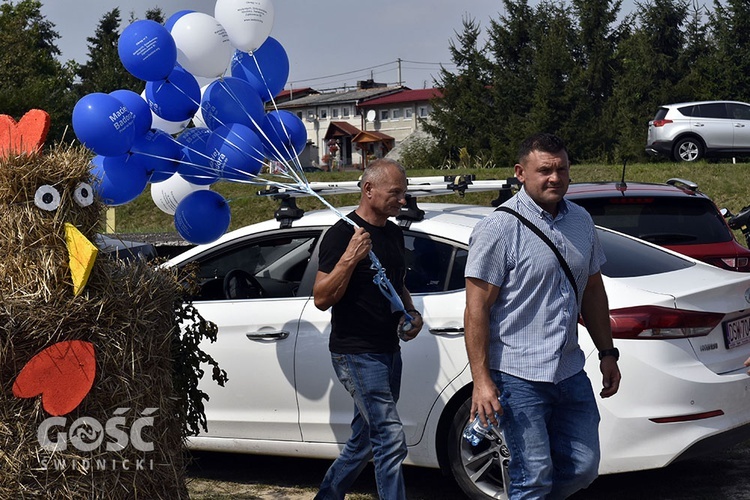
(362, 321)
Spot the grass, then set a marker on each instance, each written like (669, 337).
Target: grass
(728, 184)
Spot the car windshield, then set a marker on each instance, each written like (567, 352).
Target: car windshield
(661, 220)
(627, 258)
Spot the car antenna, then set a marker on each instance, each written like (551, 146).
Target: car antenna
(622, 186)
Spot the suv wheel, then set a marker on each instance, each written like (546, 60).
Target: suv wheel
(688, 149)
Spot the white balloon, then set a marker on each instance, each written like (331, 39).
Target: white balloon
(248, 22)
(203, 46)
(169, 193)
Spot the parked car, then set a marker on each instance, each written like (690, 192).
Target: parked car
(689, 131)
(682, 327)
(675, 215)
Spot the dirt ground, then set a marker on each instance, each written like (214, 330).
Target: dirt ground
(224, 476)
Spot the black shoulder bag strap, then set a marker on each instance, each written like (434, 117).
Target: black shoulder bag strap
(549, 243)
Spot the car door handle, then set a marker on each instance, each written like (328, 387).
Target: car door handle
(739, 125)
(448, 331)
(698, 124)
(278, 335)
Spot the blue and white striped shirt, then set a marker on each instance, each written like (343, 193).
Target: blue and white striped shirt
(533, 332)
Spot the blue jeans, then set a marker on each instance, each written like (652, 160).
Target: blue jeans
(552, 431)
(374, 381)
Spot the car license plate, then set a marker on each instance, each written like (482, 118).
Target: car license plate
(737, 332)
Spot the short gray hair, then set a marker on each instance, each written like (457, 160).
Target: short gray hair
(376, 171)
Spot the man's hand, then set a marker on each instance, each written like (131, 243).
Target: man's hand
(359, 246)
(485, 403)
(611, 376)
(416, 327)
(747, 363)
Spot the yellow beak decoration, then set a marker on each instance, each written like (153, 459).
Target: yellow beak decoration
(82, 256)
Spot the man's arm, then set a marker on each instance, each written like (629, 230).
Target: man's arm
(330, 287)
(480, 296)
(595, 312)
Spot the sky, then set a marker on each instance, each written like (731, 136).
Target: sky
(330, 43)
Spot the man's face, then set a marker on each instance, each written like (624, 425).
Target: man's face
(388, 196)
(546, 177)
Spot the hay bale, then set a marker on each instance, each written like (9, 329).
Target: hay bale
(127, 311)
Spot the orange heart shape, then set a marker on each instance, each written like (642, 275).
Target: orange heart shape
(62, 373)
(26, 136)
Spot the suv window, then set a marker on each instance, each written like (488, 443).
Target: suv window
(685, 110)
(627, 258)
(661, 220)
(712, 110)
(739, 111)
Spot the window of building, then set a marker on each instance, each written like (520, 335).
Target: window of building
(408, 112)
(299, 115)
(323, 114)
(334, 112)
(345, 111)
(396, 114)
(384, 115)
(423, 112)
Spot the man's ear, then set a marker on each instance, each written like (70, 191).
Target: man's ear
(518, 170)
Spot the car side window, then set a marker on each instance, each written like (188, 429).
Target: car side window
(433, 265)
(739, 111)
(712, 110)
(266, 267)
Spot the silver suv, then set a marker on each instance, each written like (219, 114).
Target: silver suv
(689, 131)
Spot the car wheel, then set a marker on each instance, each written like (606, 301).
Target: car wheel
(688, 149)
(480, 471)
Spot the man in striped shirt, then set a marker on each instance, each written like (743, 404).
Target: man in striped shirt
(522, 308)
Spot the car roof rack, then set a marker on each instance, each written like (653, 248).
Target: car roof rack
(683, 183)
(417, 187)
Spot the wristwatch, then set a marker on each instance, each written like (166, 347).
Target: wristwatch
(614, 352)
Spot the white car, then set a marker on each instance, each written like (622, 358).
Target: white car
(682, 327)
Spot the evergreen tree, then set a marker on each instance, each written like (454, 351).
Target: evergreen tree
(460, 119)
(730, 24)
(30, 75)
(103, 71)
(512, 50)
(596, 41)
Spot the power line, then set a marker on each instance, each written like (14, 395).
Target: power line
(332, 80)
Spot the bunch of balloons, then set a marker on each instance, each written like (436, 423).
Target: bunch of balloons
(181, 137)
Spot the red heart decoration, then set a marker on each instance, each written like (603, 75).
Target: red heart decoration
(26, 136)
(62, 373)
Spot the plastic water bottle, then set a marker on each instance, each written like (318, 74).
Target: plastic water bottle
(475, 432)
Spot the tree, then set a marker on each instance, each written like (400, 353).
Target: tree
(30, 75)
(103, 71)
(460, 118)
(730, 24)
(512, 50)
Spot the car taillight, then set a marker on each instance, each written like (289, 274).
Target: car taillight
(653, 322)
(741, 264)
(660, 123)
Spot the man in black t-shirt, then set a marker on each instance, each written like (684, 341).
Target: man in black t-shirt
(364, 340)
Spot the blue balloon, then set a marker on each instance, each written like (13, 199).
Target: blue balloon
(147, 50)
(202, 216)
(136, 105)
(284, 135)
(116, 180)
(175, 99)
(157, 153)
(236, 152)
(266, 69)
(103, 124)
(195, 164)
(174, 18)
(231, 100)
